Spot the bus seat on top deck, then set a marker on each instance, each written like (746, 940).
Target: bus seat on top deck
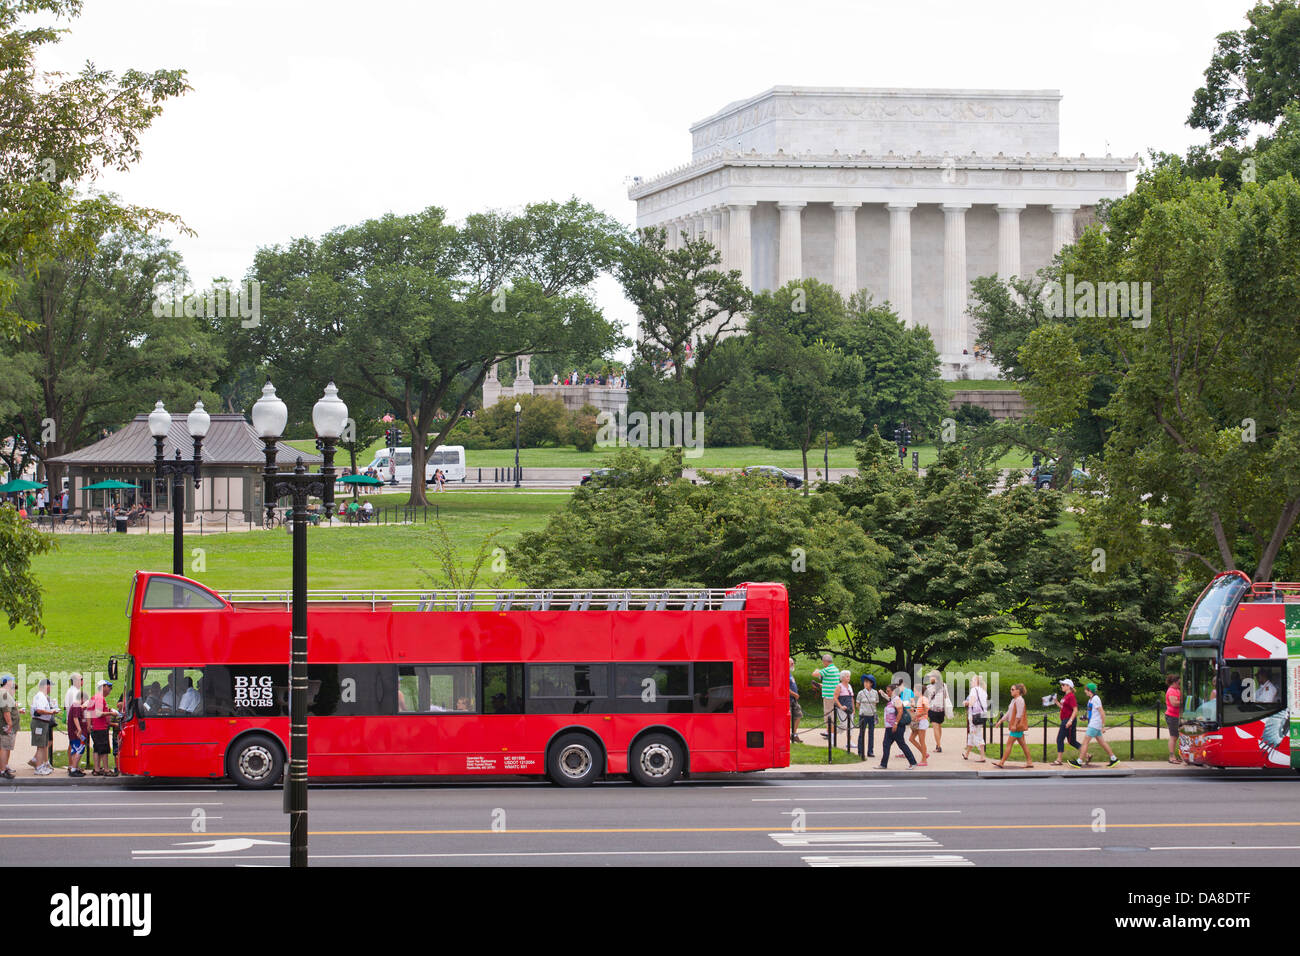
(580, 602)
(734, 601)
(658, 602)
(618, 602)
(503, 601)
(541, 602)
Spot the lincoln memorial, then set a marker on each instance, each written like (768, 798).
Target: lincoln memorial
(909, 194)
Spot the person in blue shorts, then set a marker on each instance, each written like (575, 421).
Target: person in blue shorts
(1096, 726)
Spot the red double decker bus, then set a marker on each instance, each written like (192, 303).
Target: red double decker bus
(571, 684)
(1241, 674)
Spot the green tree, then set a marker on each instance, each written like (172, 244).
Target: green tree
(652, 529)
(688, 307)
(58, 131)
(961, 561)
(818, 386)
(415, 312)
(1201, 462)
(20, 590)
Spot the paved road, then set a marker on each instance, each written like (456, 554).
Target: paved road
(951, 823)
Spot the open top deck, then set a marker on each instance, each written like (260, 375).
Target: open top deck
(598, 599)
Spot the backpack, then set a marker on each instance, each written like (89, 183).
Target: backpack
(905, 717)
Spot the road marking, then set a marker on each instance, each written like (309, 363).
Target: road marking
(80, 819)
(92, 806)
(941, 859)
(892, 838)
(830, 813)
(211, 846)
(826, 799)
(600, 830)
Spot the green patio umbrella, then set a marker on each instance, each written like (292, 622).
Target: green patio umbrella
(360, 480)
(112, 485)
(20, 484)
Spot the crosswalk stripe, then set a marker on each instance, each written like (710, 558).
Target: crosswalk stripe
(851, 838)
(937, 859)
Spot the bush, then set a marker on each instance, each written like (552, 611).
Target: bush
(583, 428)
(542, 421)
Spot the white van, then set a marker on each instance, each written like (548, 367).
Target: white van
(450, 458)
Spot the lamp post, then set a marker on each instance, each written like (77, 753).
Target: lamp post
(328, 416)
(518, 409)
(160, 423)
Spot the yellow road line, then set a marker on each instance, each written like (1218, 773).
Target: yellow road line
(199, 837)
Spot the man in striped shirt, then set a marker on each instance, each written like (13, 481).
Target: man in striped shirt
(829, 676)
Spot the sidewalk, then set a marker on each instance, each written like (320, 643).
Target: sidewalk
(24, 751)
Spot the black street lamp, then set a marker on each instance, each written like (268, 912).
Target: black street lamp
(518, 409)
(160, 423)
(329, 416)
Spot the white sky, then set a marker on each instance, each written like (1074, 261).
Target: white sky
(311, 114)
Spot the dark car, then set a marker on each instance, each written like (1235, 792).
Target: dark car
(789, 479)
(600, 475)
(1041, 476)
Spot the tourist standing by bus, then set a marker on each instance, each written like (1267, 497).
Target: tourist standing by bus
(1173, 710)
(9, 711)
(44, 715)
(937, 703)
(828, 676)
(1096, 727)
(844, 705)
(1069, 719)
(920, 724)
(796, 712)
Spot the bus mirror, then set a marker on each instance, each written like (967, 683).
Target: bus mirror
(112, 669)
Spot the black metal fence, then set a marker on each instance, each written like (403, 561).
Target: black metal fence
(225, 522)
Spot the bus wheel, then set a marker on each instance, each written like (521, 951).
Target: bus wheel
(255, 762)
(656, 760)
(573, 760)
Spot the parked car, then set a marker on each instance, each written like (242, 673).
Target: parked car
(788, 478)
(600, 475)
(1041, 477)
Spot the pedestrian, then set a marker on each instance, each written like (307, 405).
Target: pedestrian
(1173, 710)
(977, 708)
(844, 705)
(44, 716)
(70, 698)
(9, 723)
(1096, 727)
(99, 713)
(938, 704)
(828, 677)
(1069, 719)
(78, 731)
(796, 712)
(896, 719)
(441, 478)
(1017, 718)
(868, 700)
(920, 724)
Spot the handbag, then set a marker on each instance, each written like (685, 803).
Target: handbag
(905, 717)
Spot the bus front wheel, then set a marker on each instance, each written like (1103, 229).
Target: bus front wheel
(656, 760)
(256, 762)
(573, 760)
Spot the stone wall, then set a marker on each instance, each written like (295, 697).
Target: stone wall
(1002, 404)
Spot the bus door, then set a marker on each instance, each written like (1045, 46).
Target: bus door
(173, 733)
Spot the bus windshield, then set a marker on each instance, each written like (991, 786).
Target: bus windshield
(1210, 617)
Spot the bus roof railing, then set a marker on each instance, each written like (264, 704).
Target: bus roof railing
(1273, 591)
(518, 599)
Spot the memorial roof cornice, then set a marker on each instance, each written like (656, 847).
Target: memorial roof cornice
(837, 160)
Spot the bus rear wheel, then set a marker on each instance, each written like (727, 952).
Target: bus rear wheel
(256, 762)
(656, 760)
(573, 760)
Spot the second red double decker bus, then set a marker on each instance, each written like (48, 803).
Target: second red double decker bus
(571, 684)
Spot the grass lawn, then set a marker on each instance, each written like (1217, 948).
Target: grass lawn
(983, 385)
(738, 457)
(87, 578)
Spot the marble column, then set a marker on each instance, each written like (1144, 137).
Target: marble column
(845, 275)
(1009, 239)
(1062, 226)
(719, 232)
(954, 281)
(790, 268)
(670, 232)
(900, 259)
(738, 242)
(701, 225)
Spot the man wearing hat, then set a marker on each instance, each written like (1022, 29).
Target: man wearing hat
(1069, 719)
(1096, 727)
(44, 714)
(9, 711)
(98, 713)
